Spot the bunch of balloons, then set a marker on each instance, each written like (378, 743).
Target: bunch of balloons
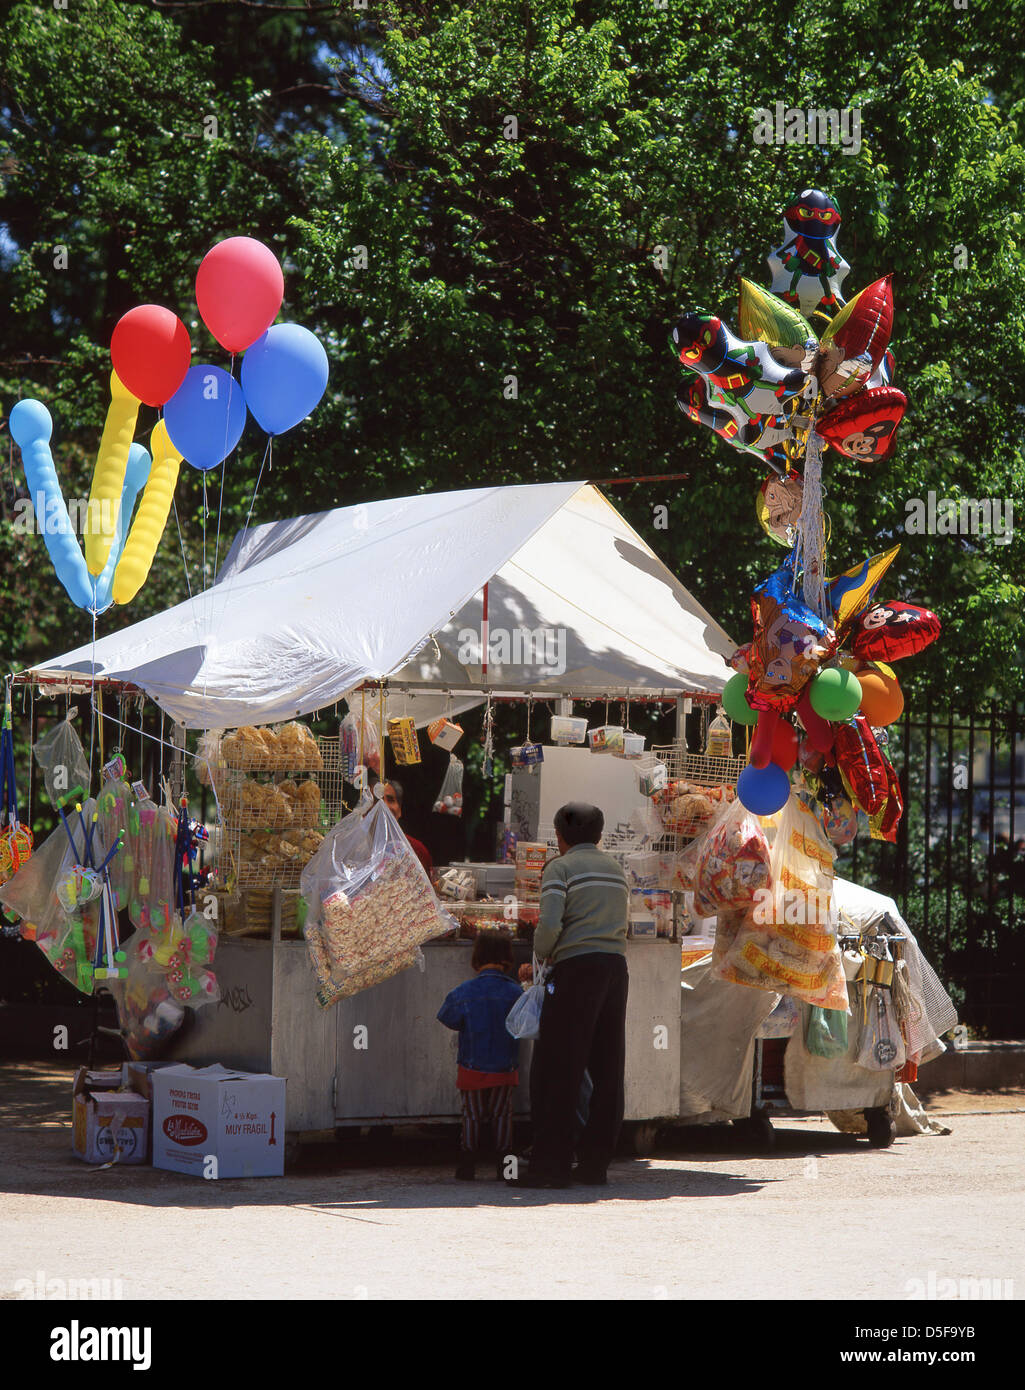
(239, 289)
(785, 392)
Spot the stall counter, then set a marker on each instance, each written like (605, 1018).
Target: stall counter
(381, 1057)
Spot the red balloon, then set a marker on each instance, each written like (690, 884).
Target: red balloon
(865, 426)
(239, 289)
(820, 732)
(784, 745)
(889, 631)
(150, 350)
(764, 738)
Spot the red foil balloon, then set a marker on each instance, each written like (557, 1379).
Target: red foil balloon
(889, 631)
(862, 765)
(865, 426)
(862, 328)
(150, 349)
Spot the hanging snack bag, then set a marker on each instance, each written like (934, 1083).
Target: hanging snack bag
(787, 940)
(719, 743)
(404, 741)
(370, 905)
(734, 862)
(449, 801)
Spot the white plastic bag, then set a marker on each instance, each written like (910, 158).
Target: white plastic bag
(61, 756)
(449, 801)
(882, 1045)
(524, 1018)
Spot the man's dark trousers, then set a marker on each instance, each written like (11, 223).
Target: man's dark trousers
(583, 1028)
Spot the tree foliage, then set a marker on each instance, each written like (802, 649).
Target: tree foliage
(469, 201)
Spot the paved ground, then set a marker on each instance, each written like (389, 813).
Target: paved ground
(823, 1217)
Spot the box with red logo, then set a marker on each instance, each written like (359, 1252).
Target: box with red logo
(210, 1122)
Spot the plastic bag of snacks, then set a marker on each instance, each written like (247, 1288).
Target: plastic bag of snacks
(208, 757)
(370, 905)
(449, 801)
(733, 864)
(786, 941)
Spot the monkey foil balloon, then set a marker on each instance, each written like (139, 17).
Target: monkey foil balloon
(807, 269)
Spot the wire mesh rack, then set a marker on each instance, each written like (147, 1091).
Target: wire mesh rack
(694, 786)
(275, 808)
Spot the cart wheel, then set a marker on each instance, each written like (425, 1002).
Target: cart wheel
(639, 1139)
(881, 1129)
(757, 1131)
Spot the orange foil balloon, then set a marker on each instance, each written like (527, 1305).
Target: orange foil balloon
(882, 702)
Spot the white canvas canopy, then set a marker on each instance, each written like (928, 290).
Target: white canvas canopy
(304, 611)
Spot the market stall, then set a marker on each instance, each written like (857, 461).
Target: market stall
(512, 594)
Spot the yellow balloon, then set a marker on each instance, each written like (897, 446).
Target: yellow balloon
(150, 517)
(109, 475)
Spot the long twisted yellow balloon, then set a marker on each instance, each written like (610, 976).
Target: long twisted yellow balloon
(109, 475)
(150, 517)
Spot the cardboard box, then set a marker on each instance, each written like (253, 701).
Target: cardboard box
(530, 856)
(210, 1122)
(108, 1124)
(642, 928)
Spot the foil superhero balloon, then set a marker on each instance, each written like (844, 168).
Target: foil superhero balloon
(760, 435)
(807, 269)
(742, 375)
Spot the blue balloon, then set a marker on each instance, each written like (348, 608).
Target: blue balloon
(284, 375)
(206, 416)
(763, 790)
(31, 427)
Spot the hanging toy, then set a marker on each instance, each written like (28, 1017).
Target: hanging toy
(449, 801)
(16, 841)
(807, 269)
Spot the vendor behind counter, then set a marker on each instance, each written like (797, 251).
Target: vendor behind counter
(393, 795)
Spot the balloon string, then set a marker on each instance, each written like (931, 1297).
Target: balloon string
(245, 530)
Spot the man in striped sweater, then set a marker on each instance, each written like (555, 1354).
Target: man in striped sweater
(585, 903)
